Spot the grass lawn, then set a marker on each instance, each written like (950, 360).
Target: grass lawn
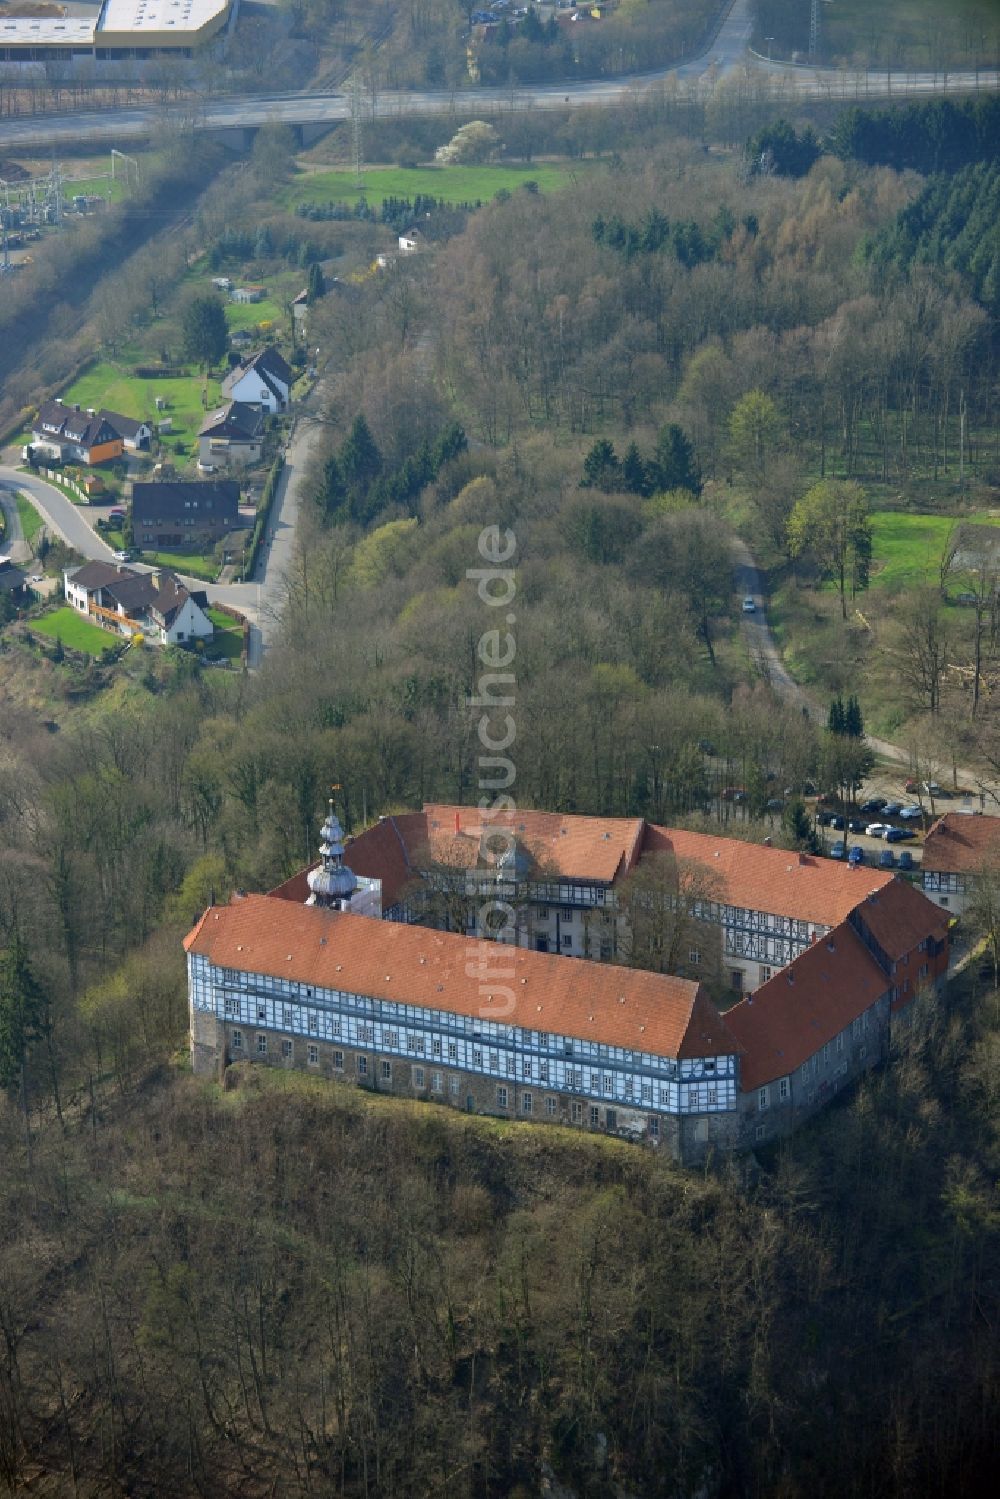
(187, 399)
(228, 638)
(94, 187)
(906, 548)
(453, 184)
(248, 315)
(31, 521)
(74, 631)
(193, 563)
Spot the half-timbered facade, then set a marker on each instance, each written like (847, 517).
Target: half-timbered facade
(957, 850)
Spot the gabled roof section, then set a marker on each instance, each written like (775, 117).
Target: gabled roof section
(383, 853)
(237, 420)
(900, 917)
(601, 849)
(804, 1006)
(957, 844)
(820, 892)
(94, 575)
(626, 1007)
(211, 499)
(125, 426)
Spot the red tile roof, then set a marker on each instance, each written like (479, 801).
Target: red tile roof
(807, 1004)
(578, 848)
(815, 890)
(900, 917)
(957, 844)
(625, 1007)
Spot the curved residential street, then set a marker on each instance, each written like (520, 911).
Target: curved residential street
(727, 54)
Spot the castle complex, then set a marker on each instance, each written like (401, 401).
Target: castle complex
(370, 968)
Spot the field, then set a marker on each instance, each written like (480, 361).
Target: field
(906, 549)
(250, 315)
(31, 521)
(912, 34)
(187, 399)
(453, 184)
(68, 626)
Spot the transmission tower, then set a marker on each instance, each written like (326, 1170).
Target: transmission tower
(357, 127)
(814, 31)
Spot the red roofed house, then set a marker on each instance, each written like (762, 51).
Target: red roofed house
(956, 850)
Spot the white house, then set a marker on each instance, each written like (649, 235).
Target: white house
(156, 604)
(264, 380)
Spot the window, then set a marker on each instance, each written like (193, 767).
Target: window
(736, 979)
(362, 1066)
(760, 1132)
(576, 1112)
(526, 1103)
(542, 913)
(453, 1051)
(313, 1025)
(551, 1106)
(712, 1097)
(417, 1045)
(608, 1083)
(502, 1097)
(262, 1013)
(595, 1082)
(595, 1115)
(694, 957)
(436, 1082)
(436, 1046)
(647, 1092)
(232, 1005)
(628, 1088)
(287, 1048)
(312, 1055)
(262, 1046)
(237, 1040)
(783, 1089)
(763, 1099)
(607, 951)
(286, 1016)
(477, 1056)
(543, 1071)
(654, 1126)
(338, 1058)
(392, 1039)
(453, 1085)
(765, 974)
(567, 939)
(418, 1076)
(387, 1072)
(611, 1118)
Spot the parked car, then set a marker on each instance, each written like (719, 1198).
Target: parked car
(116, 513)
(856, 855)
(899, 835)
(877, 829)
(933, 789)
(836, 821)
(906, 859)
(856, 825)
(837, 850)
(873, 804)
(824, 819)
(910, 785)
(911, 814)
(124, 554)
(886, 859)
(749, 607)
(775, 804)
(892, 809)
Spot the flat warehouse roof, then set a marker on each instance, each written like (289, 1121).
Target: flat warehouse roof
(46, 31)
(161, 15)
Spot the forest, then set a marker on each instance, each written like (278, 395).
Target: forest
(267, 1287)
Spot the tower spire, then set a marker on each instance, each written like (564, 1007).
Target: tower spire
(332, 884)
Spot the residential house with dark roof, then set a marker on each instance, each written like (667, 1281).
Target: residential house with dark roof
(957, 849)
(154, 604)
(264, 380)
(73, 435)
(232, 437)
(180, 513)
(136, 436)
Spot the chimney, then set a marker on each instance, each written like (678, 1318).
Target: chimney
(458, 822)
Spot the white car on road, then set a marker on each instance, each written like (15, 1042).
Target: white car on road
(749, 607)
(876, 829)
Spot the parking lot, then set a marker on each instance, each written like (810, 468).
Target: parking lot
(888, 806)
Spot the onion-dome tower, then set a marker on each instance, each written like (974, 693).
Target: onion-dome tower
(332, 884)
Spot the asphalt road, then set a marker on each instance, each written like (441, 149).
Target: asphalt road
(726, 55)
(13, 545)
